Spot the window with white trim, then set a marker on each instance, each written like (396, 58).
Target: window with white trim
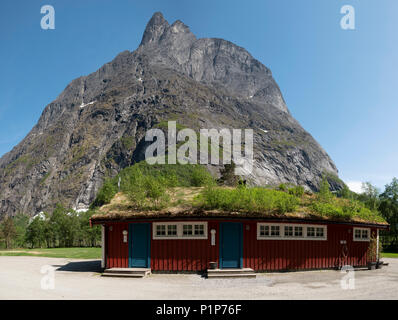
(285, 231)
(311, 232)
(179, 230)
(298, 231)
(275, 231)
(361, 234)
(171, 230)
(269, 231)
(288, 231)
(187, 230)
(264, 231)
(199, 230)
(163, 230)
(320, 232)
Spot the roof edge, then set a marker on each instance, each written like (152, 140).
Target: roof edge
(280, 219)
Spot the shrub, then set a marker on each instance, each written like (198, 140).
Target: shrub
(105, 194)
(282, 187)
(254, 199)
(324, 194)
(286, 204)
(201, 177)
(297, 191)
(328, 209)
(374, 251)
(155, 190)
(133, 186)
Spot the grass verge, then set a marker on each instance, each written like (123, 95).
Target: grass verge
(389, 255)
(73, 253)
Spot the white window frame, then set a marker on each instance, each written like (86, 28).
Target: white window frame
(361, 239)
(282, 231)
(260, 237)
(180, 227)
(163, 224)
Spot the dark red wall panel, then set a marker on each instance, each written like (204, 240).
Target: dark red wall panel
(116, 250)
(273, 255)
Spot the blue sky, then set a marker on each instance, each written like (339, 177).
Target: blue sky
(341, 85)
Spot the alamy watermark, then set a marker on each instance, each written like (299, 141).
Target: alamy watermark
(347, 22)
(182, 147)
(47, 282)
(48, 20)
(348, 280)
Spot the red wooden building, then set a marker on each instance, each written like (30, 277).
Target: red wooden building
(189, 242)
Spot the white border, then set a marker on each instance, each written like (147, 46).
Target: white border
(364, 240)
(282, 231)
(179, 235)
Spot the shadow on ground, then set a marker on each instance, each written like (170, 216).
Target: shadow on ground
(81, 266)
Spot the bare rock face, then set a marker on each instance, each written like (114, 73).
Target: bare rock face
(214, 62)
(97, 125)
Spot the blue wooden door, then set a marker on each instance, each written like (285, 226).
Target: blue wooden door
(139, 246)
(231, 246)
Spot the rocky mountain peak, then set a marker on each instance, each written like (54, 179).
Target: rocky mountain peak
(160, 34)
(210, 61)
(154, 29)
(178, 26)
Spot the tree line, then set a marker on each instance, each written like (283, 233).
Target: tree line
(385, 202)
(62, 228)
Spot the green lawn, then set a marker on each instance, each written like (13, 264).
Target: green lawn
(389, 255)
(74, 253)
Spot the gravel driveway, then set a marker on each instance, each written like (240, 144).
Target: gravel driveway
(21, 278)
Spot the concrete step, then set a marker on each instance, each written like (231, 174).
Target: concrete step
(231, 273)
(230, 270)
(128, 272)
(125, 275)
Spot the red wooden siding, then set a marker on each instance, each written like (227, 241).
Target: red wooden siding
(117, 252)
(272, 255)
(184, 255)
(266, 255)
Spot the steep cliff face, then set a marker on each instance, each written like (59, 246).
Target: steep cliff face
(215, 62)
(96, 126)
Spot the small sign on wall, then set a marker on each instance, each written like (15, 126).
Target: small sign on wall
(125, 236)
(213, 237)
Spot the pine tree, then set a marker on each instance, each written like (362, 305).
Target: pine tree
(324, 194)
(8, 231)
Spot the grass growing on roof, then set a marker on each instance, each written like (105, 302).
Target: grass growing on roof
(258, 199)
(254, 199)
(328, 205)
(146, 184)
(157, 187)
